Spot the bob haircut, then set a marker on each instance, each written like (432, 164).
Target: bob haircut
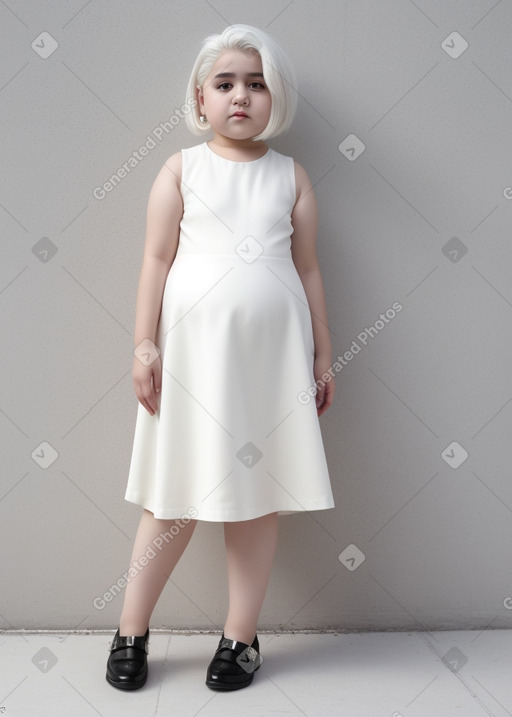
(277, 72)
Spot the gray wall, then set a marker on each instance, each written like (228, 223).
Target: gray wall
(421, 217)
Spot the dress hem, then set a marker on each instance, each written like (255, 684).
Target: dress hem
(221, 516)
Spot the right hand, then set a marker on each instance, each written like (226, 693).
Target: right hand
(147, 382)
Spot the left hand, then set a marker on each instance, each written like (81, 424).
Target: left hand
(325, 389)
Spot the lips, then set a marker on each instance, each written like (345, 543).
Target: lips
(239, 114)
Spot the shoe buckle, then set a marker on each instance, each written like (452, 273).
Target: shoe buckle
(129, 641)
(226, 642)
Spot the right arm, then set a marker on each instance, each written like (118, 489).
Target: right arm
(164, 213)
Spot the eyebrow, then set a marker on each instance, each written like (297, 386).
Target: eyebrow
(232, 74)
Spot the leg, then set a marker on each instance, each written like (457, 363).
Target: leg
(144, 589)
(250, 550)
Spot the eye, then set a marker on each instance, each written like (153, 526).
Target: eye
(257, 85)
(224, 85)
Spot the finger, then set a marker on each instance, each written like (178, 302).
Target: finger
(157, 378)
(151, 401)
(143, 402)
(148, 408)
(323, 409)
(140, 395)
(328, 398)
(146, 396)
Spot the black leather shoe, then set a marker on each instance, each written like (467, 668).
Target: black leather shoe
(127, 665)
(233, 665)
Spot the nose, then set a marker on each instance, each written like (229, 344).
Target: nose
(241, 97)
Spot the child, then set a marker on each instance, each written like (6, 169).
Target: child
(231, 336)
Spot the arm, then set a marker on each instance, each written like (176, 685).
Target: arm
(164, 212)
(303, 249)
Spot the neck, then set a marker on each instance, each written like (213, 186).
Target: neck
(246, 147)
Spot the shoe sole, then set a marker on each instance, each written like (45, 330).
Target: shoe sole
(126, 685)
(228, 686)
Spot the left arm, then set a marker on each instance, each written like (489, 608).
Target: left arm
(305, 224)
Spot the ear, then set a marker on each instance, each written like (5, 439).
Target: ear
(200, 98)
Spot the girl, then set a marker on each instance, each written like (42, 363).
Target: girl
(231, 336)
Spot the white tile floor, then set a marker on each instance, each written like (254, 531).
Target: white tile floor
(388, 674)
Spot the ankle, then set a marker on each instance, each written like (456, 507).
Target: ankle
(129, 629)
(241, 635)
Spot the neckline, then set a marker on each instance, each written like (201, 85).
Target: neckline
(234, 161)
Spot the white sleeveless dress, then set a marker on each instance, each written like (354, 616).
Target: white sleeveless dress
(234, 438)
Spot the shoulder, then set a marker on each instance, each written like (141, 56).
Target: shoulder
(169, 177)
(303, 183)
(302, 180)
(166, 189)
(174, 166)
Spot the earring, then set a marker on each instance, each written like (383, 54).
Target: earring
(202, 119)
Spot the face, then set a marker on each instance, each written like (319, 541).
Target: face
(235, 97)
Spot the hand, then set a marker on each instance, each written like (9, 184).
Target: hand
(147, 382)
(325, 389)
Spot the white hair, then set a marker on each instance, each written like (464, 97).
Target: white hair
(277, 72)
